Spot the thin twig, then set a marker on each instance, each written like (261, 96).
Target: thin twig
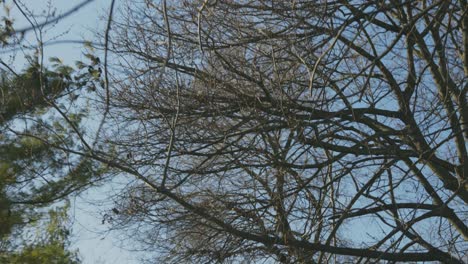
(106, 72)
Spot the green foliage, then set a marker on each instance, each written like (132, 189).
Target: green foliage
(33, 174)
(30, 90)
(49, 247)
(8, 218)
(12, 158)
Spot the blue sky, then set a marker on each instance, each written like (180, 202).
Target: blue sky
(89, 234)
(77, 26)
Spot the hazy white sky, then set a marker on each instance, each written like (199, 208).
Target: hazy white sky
(95, 245)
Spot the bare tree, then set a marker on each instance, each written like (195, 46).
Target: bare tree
(290, 131)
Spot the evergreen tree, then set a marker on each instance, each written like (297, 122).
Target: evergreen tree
(50, 246)
(36, 126)
(34, 174)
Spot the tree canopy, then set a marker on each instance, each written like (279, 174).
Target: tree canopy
(48, 247)
(280, 131)
(298, 131)
(31, 174)
(35, 177)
